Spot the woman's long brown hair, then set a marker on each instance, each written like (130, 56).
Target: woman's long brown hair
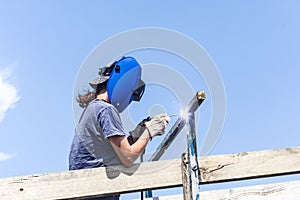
(84, 99)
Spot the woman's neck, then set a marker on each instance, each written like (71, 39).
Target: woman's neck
(103, 96)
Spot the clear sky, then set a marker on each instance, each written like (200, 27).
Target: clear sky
(254, 44)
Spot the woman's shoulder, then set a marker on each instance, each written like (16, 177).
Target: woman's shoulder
(103, 106)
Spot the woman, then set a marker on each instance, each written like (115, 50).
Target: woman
(100, 139)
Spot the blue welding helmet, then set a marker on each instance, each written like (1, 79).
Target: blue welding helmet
(124, 84)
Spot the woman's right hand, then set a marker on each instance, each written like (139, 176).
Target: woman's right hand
(157, 125)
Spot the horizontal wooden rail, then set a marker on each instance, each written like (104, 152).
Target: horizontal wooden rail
(278, 191)
(259, 164)
(275, 191)
(152, 175)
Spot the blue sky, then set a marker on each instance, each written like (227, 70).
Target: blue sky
(254, 44)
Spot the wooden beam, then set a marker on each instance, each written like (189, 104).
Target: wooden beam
(153, 175)
(186, 177)
(92, 182)
(277, 191)
(249, 165)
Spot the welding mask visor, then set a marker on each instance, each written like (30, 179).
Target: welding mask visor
(138, 93)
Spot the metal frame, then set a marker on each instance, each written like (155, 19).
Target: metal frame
(193, 105)
(191, 189)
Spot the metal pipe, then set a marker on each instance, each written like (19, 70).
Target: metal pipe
(193, 105)
(193, 158)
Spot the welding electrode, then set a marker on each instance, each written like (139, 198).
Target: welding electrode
(175, 115)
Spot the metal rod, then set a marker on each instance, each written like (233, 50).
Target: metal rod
(193, 159)
(193, 105)
(195, 102)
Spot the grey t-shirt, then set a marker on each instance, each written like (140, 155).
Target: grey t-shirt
(91, 147)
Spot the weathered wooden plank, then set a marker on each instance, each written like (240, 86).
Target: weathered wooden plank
(277, 191)
(222, 168)
(152, 175)
(92, 182)
(185, 177)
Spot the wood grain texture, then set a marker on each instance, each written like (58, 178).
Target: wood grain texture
(152, 175)
(185, 177)
(277, 191)
(92, 182)
(223, 168)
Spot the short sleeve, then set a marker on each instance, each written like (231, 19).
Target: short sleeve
(110, 122)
